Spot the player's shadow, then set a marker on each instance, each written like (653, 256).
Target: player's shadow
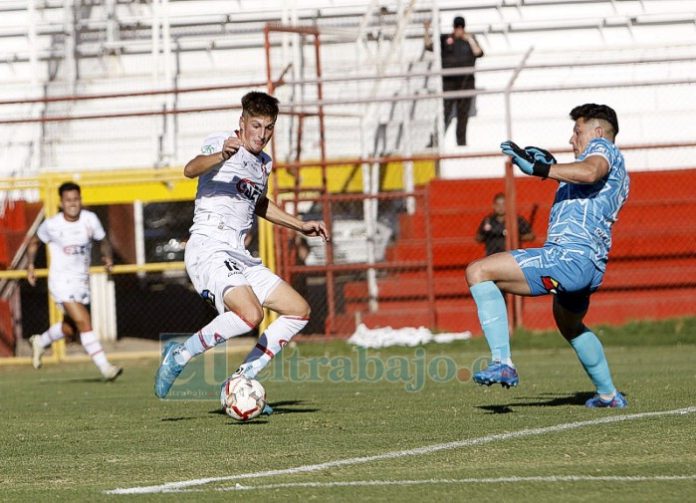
(82, 380)
(246, 424)
(555, 400)
(496, 409)
(174, 419)
(284, 407)
(542, 400)
(256, 421)
(288, 407)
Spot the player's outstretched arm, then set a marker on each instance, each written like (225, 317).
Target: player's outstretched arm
(203, 163)
(32, 248)
(270, 211)
(539, 162)
(588, 171)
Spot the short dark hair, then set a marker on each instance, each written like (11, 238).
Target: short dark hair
(67, 187)
(594, 111)
(256, 104)
(499, 195)
(459, 22)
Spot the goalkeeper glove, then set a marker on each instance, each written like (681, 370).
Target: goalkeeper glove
(540, 154)
(531, 160)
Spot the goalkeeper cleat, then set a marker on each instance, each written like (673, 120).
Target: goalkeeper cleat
(617, 402)
(267, 410)
(169, 369)
(37, 351)
(497, 373)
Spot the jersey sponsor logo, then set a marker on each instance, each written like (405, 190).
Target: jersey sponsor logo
(75, 250)
(233, 267)
(208, 149)
(551, 285)
(248, 189)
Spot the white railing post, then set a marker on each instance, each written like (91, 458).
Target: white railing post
(508, 90)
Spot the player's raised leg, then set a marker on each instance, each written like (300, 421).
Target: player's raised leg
(90, 342)
(488, 278)
(244, 313)
(589, 351)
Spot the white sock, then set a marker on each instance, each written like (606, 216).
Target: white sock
(53, 334)
(94, 349)
(223, 327)
(271, 342)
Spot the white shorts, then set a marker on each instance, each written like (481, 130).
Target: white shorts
(215, 267)
(64, 288)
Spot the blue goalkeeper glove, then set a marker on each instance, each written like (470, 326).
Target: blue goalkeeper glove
(531, 160)
(541, 155)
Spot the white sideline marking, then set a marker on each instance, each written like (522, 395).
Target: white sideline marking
(428, 449)
(499, 480)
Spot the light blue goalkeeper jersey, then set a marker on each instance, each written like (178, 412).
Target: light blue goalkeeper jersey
(582, 214)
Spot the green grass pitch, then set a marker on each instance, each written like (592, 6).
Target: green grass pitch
(65, 436)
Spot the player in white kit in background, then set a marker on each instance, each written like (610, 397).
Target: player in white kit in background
(69, 237)
(232, 172)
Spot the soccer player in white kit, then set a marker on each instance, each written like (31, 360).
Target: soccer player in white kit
(69, 237)
(232, 173)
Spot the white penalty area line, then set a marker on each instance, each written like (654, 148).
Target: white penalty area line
(428, 449)
(498, 480)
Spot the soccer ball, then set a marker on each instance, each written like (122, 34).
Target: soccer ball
(242, 398)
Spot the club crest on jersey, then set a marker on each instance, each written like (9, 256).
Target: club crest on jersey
(551, 285)
(248, 189)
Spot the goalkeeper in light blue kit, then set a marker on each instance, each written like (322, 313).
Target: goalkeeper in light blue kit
(572, 262)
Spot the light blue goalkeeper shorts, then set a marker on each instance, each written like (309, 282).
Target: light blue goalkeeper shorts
(567, 272)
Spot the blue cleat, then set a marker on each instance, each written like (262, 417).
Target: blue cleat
(618, 402)
(169, 370)
(497, 372)
(267, 410)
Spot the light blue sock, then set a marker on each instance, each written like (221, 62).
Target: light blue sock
(492, 314)
(591, 355)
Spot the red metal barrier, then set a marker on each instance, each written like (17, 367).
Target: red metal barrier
(651, 272)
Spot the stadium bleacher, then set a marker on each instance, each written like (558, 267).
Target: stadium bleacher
(114, 53)
(637, 55)
(652, 266)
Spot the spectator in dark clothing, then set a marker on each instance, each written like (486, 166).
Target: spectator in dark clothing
(492, 231)
(458, 50)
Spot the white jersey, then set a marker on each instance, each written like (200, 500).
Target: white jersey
(227, 195)
(70, 243)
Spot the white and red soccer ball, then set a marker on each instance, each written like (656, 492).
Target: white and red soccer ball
(242, 398)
